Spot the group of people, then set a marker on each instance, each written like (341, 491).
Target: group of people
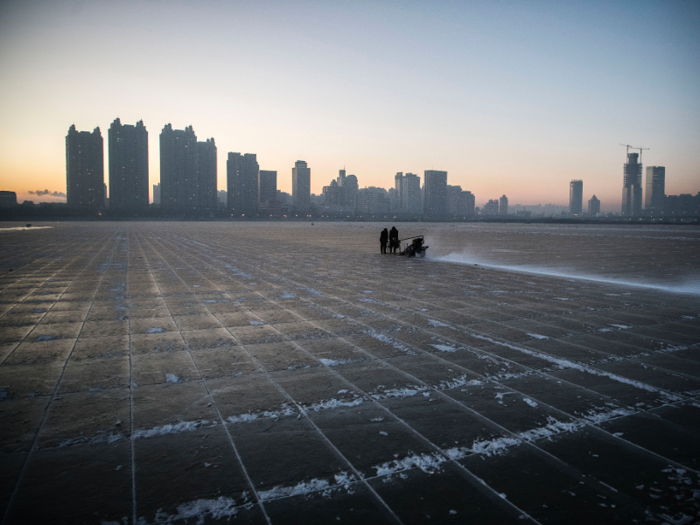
(390, 237)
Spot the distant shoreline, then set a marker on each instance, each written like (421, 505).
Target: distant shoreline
(673, 221)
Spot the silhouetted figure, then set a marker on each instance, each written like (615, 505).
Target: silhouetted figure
(383, 238)
(393, 239)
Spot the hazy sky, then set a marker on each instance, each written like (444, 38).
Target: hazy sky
(507, 97)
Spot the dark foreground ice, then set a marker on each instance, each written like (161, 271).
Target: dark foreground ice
(289, 373)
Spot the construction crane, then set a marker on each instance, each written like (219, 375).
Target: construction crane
(633, 147)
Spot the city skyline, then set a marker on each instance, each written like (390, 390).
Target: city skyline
(506, 98)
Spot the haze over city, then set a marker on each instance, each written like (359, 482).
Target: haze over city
(508, 98)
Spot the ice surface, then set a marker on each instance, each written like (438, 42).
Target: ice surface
(113, 295)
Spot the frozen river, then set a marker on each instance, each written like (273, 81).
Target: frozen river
(288, 373)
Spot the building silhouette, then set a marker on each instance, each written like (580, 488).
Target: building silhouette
(632, 186)
(655, 189)
(503, 205)
(408, 192)
(8, 199)
(156, 193)
(85, 168)
(435, 193)
(206, 175)
(576, 197)
(301, 186)
(267, 187)
(490, 208)
(373, 201)
(178, 169)
(593, 206)
(128, 165)
(242, 181)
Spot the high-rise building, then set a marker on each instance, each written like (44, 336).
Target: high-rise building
(156, 193)
(128, 165)
(503, 205)
(85, 168)
(470, 202)
(350, 190)
(242, 179)
(593, 206)
(656, 189)
(408, 192)
(206, 175)
(632, 186)
(576, 197)
(398, 186)
(301, 186)
(178, 169)
(267, 187)
(490, 208)
(435, 199)
(373, 201)
(8, 199)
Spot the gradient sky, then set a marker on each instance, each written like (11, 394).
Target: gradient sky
(507, 97)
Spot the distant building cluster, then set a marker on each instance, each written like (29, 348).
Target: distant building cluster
(188, 186)
(638, 200)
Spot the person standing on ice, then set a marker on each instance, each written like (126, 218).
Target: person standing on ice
(383, 238)
(393, 239)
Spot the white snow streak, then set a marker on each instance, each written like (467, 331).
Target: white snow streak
(182, 426)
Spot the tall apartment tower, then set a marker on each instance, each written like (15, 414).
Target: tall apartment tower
(408, 190)
(178, 169)
(301, 186)
(411, 196)
(85, 168)
(503, 205)
(435, 199)
(632, 186)
(398, 186)
(656, 189)
(128, 165)
(576, 197)
(267, 187)
(242, 180)
(206, 175)
(593, 206)
(350, 189)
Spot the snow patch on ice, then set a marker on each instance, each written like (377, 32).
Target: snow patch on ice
(530, 402)
(538, 336)
(335, 403)
(428, 463)
(386, 339)
(553, 427)
(100, 437)
(401, 392)
(172, 378)
(182, 426)
(265, 414)
(458, 382)
(201, 510)
(256, 323)
(335, 362)
(565, 363)
(444, 348)
(307, 487)
(435, 323)
(155, 330)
